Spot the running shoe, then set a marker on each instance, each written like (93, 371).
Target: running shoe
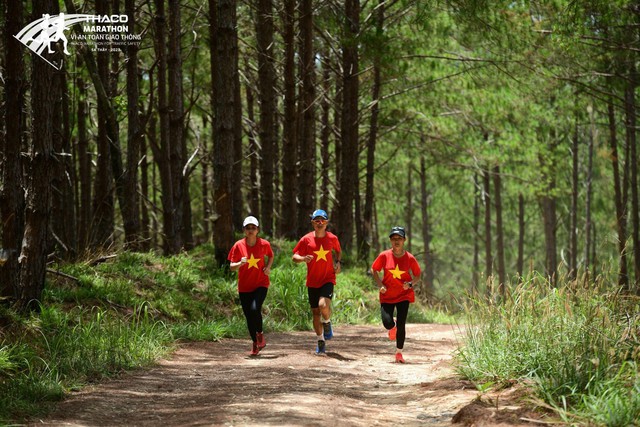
(392, 333)
(328, 331)
(254, 349)
(321, 348)
(261, 341)
(399, 358)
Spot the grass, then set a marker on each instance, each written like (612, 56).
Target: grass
(578, 345)
(132, 309)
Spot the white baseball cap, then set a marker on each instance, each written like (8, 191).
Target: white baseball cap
(250, 220)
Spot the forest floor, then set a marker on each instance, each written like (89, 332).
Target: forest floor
(356, 384)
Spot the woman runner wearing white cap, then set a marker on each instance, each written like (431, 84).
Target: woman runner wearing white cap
(252, 257)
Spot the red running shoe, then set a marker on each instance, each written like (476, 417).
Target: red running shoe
(254, 349)
(392, 333)
(261, 341)
(399, 358)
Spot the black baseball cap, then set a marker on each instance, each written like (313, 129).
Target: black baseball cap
(399, 231)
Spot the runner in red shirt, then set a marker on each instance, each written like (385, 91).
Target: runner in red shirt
(252, 257)
(316, 250)
(400, 270)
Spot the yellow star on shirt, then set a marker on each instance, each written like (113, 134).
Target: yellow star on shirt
(253, 262)
(396, 272)
(321, 253)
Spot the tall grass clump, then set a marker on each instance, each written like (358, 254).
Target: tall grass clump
(576, 344)
(59, 350)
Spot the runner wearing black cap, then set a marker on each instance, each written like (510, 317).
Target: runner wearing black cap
(400, 270)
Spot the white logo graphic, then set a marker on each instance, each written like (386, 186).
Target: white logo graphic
(39, 34)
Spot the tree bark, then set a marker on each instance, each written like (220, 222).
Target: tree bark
(289, 209)
(427, 258)
(521, 231)
(573, 214)
(408, 213)
(307, 149)
(367, 218)
(177, 135)
(621, 216)
(84, 166)
(12, 201)
(349, 124)
(588, 194)
(475, 268)
(33, 255)
(630, 122)
(497, 199)
(131, 209)
(488, 256)
(325, 136)
(162, 151)
(226, 81)
(254, 169)
(63, 225)
(267, 128)
(103, 221)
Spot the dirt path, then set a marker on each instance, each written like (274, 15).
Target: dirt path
(357, 384)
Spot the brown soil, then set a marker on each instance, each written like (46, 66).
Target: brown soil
(356, 384)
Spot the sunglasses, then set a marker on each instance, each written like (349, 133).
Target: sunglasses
(251, 227)
(320, 221)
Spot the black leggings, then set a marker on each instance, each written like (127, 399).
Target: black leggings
(252, 308)
(402, 310)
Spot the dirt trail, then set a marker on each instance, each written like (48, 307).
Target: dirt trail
(356, 384)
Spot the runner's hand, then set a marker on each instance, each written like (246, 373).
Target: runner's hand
(243, 260)
(266, 270)
(383, 289)
(308, 258)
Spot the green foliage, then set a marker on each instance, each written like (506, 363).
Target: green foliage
(578, 345)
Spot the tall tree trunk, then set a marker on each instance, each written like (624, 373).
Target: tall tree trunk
(254, 183)
(427, 258)
(177, 139)
(33, 255)
(226, 80)
(12, 201)
(630, 121)
(573, 214)
(103, 222)
(588, 192)
(349, 124)
(367, 219)
(162, 151)
(267, 128)
(497, 199)
(475, 269)
(488, 256)
(131, 209)
(325, 136)
(145, 224)
(621, 216)
(84, 165)
(307, 149)
(548, 206)
(521, 231)
(237, 199)
(289, 208)
(63, 226)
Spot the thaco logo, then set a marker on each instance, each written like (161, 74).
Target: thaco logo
(43, 35)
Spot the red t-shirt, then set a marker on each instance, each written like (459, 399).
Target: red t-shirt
(251, 275)
(320, 269)
(396, 272)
